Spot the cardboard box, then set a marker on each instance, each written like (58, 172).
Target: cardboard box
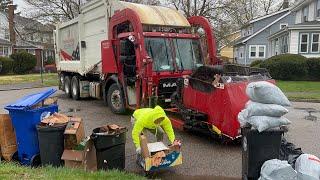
(74, 133)
(172, 155)
(85, 159)
(7, 137)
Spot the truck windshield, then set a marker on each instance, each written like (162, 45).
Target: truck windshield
(187, 53)
(159, 50)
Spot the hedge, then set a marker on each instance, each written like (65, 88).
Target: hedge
(256, 63)
(313, 68)
(23, 62)
(287, 67)
(6, 65)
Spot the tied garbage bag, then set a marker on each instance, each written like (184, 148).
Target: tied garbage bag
(266, 93)
(276, 169)
(308, 167)
(289, 152)
(243, 117)
(262, 123)
(258, 109)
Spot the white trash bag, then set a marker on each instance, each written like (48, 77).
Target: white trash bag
(262, 123)
(243, 118)
(266, 93)
(308, 167)
(276, 169)
(258, 109)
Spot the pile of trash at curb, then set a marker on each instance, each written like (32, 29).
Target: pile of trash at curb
(265, 109)
(307, 167)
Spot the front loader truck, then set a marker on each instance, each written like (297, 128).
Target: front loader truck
(133, 55)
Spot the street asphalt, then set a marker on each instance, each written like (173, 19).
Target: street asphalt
(202, 157)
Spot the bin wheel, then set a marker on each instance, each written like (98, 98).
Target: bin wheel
(67, 85)
(15, 157)
(116, 100)
(35, 161)
(75, 90)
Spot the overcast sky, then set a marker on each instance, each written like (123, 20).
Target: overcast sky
(21, 6)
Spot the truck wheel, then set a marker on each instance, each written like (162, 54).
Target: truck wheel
(67, 85)
(75, 90)
(61, 82)
(116, 100)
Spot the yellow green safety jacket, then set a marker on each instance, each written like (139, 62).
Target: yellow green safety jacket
(144, 118)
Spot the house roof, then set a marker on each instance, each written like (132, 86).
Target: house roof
(300, 4)
(4, 42)
(309, 23)
(245, 39)
(269, 15)
(305, 26)
(32, 24)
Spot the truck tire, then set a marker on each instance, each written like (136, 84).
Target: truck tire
(115, 99)
(67, 85)
(61, 81)
(75, 88)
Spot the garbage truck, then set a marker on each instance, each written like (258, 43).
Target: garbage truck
(128, 54)
(132, 55)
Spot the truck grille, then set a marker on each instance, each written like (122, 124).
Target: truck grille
(167, 86)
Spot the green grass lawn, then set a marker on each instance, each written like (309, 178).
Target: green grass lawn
(301, 90)
(49, 79)
(14, 171)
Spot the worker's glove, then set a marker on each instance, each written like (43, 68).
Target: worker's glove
(132, 119)
(176, 143)
(138, 150)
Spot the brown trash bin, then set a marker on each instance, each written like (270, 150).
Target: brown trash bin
(7, 137)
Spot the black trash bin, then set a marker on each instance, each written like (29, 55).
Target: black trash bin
(51, 144)
(258, 148)
(110, 149)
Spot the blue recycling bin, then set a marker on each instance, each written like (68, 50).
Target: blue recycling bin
(25, 117)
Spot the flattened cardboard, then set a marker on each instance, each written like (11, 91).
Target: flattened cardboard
(73, 133)
(7, 137)
(144, 146)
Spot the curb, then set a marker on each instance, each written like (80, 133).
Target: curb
(22, 88)
(305, 100)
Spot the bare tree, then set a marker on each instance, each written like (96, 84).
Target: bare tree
(55, 10)
(4, 4)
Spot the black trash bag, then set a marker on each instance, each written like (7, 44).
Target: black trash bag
(289, 152)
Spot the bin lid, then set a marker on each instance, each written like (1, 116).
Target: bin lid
(30, 100)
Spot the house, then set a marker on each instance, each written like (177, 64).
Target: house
(5, 44)
(302, 37)
(253, 44)
(226, 49)
(19, 33)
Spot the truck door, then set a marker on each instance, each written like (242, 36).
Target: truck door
(128, 62)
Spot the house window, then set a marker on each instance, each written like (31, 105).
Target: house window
(304, 43)
(32, 51)
(305, 14)
(253, 51)
(6, 34)
(318, 9)
(4, 51)
(257, 51)
(315, 43)
(283, 25)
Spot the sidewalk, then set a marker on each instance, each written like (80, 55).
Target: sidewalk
(9, 87)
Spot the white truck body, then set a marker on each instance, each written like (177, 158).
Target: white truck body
(77, 42)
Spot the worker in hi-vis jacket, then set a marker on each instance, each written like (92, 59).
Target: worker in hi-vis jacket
(153, 120)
